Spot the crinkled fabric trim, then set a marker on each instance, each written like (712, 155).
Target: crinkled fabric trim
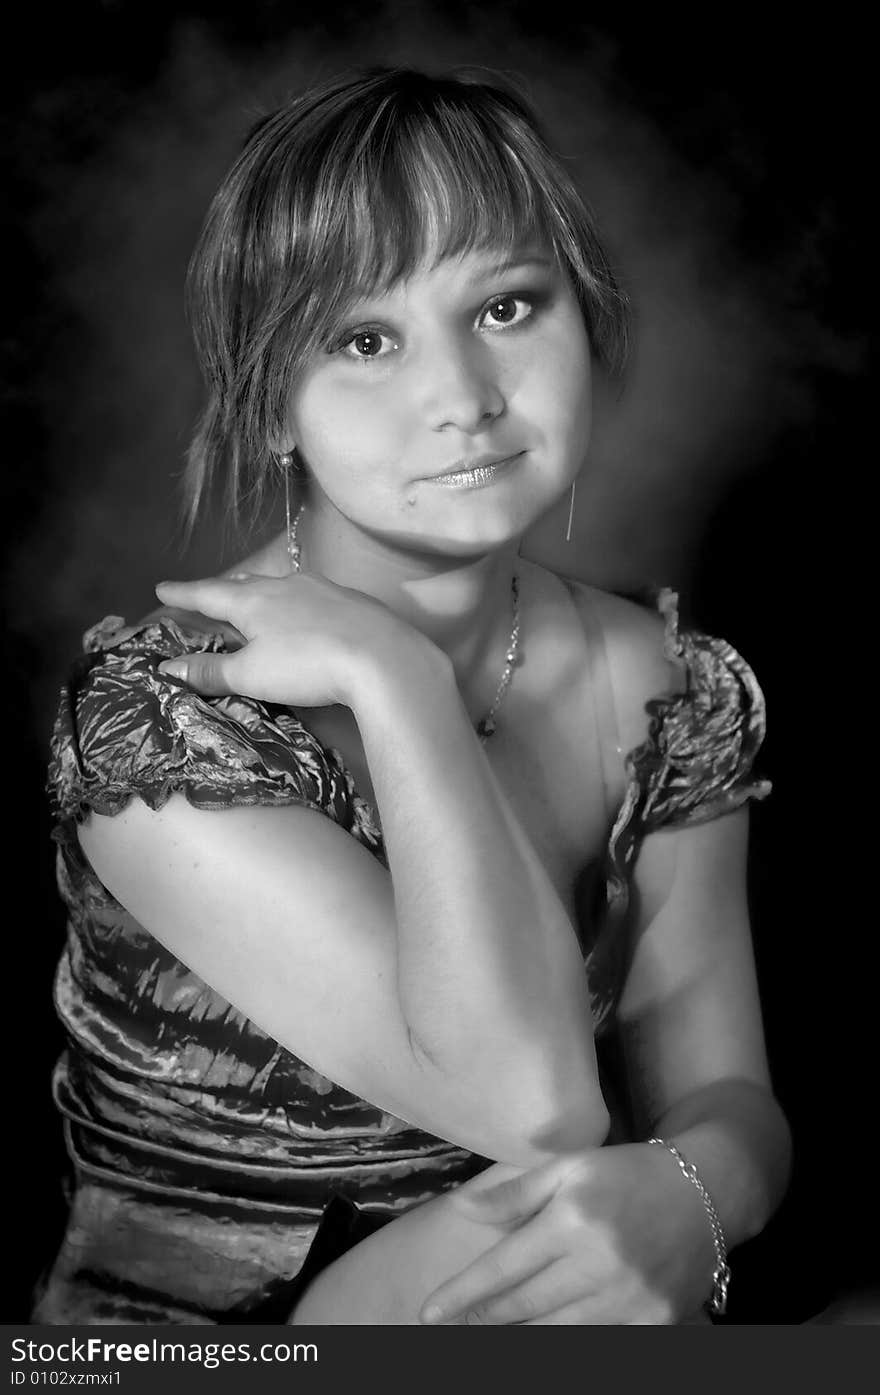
(232, 734)
(696, 762)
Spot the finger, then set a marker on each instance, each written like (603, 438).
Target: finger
(550, 1289)
(214, 596)
(605, 1305)
(581, 1313)
(210, 674)
(512, 1260)
(514, 1199)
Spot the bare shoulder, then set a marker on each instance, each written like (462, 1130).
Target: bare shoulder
(630, 639)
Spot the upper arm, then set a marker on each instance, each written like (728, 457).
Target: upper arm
(690, 1012)
(222, 827)
(292, 921)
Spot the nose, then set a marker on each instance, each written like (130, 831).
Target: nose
(461, 387)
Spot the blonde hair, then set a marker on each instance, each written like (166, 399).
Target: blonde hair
(338, 194)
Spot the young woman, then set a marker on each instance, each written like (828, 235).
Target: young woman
(393, 858)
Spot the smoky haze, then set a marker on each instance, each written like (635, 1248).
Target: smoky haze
(723, 352)
(718, 156)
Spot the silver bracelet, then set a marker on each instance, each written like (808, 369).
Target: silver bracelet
(717, 1303)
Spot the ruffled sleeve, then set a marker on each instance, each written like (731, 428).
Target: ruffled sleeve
(125, 730)
(698, 759)
(696, 764)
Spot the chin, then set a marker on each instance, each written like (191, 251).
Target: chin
(483, 537)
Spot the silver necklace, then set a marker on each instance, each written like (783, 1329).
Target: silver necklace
(486, 726)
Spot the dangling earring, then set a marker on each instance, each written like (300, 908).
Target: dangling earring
(288, 464)
(570, 512)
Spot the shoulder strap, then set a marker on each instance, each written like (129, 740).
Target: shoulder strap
(604, 710)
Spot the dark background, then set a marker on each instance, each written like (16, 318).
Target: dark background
(723, 158)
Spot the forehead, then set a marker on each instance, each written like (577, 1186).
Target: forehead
(444, 271)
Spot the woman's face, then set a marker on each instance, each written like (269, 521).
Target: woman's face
(450, 412)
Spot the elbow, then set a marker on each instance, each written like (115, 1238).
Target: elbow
(570, 1112)
(553, 1124)
(531, 1138)
(524, 1112)
(573, 1125)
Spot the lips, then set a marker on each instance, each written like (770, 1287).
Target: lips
(475, 465)
(475, 474)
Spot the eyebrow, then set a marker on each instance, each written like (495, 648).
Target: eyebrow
(514, 260)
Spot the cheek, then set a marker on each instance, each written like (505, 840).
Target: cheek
(337, 429)
(559, 383)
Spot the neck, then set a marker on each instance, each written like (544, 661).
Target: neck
(463, 605)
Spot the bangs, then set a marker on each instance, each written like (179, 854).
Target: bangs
(424, 190)
(418, 175)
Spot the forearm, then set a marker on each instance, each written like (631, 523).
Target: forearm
(490, 975)
(736, 1135)
(386, 1278)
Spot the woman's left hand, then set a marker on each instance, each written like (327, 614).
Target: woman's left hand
(611, 1236)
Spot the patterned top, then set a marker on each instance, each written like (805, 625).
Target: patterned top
(172, 1097)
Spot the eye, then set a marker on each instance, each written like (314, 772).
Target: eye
(504, 310)
(368, 344)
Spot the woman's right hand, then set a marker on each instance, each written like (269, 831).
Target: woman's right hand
(305, 638)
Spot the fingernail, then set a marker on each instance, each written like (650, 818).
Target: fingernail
(175, 668)
(432, 1313)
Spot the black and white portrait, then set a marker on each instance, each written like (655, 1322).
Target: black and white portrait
(429, 433)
